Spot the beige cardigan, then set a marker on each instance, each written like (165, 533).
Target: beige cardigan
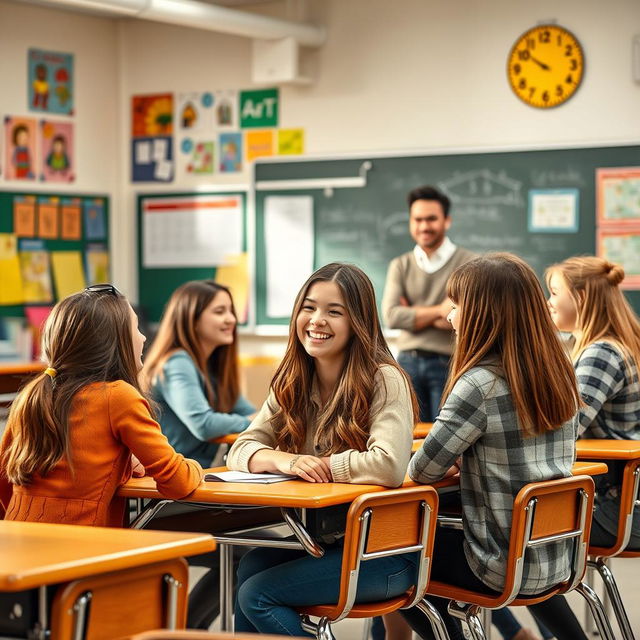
(388, 449)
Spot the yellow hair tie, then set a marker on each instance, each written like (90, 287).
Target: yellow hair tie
(51, 372)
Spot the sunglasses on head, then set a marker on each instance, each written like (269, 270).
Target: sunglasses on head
(103, 288)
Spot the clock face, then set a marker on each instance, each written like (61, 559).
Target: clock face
(545, 66)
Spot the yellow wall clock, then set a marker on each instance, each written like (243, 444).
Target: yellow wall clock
(545, 66)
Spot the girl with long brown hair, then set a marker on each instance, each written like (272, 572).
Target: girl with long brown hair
(340, 409)
(191, 370)
(508, 418)
(585, 299)
(71, 431)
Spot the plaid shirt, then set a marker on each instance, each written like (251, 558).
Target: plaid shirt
(479, 423)
(610, 388)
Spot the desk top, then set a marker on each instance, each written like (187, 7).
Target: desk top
(608, 449)
(33, 554)
(230, 438)
(422, 429)
(20, 368)
(291, 493)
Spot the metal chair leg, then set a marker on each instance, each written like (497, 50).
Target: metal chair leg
(366, 631)
(597, 610)
(614, 596)
(437, 624)
(323, 630)
(470, 615)
(588, 625)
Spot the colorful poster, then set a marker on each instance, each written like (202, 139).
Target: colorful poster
(71, 219)
(36, 274)
(24, 216)
(10, 276)
(48, 217)
(36, 317)
(95, 227)
(259, 108)
(152, 159)
(152, 115)
(622, 246)
(68, 273)
(198, 157)
(290, 142)
(50, 81)
(553, 210)
(230, 146)
(56, 139)
(195, 112)
(20, 148)
(96, 261)
(225, 107)
(259, 144)
(618, 196)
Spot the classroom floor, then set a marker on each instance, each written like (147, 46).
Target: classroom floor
(625, 571)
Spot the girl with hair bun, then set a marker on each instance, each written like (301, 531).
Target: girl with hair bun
(586, 300)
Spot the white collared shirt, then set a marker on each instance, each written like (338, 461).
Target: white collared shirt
(438, 258)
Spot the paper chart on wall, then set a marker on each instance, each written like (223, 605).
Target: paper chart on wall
(195, 231)
(289, 241)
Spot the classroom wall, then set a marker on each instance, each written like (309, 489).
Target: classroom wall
(408, 74)
(93, 41)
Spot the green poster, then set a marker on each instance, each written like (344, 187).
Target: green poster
(259, 108)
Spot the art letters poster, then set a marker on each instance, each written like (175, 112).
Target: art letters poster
(56, 151)
(20, 148)
(152, 138)
(50, 75)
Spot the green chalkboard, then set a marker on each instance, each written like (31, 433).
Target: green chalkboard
(490, 195)
(54, 244)
(156, 284)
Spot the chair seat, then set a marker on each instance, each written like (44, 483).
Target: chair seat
(444, 590)
(362, 610)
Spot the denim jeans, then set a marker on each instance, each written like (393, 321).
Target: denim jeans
(429, 376)
(271, 582)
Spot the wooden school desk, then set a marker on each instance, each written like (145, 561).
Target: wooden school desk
(36, 555)
(601, 449)
(13, 376)
(289, 496)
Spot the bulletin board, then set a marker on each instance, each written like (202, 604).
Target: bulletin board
(61, 222)
(190, 236)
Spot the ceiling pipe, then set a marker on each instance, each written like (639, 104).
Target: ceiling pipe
(200, 15)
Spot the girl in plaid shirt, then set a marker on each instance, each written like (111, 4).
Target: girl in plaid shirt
(508, 419)
(585, 299)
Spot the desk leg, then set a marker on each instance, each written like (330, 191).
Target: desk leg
(226, 587)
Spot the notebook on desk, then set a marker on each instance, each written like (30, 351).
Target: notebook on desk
(242, 476)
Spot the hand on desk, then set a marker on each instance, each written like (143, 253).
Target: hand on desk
(310, 468)
(137, 468)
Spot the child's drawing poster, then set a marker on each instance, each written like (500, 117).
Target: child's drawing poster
(95, 227)
(20, 148)
(152, 115)
(50, 81)
(225, 107)
(230, 152)
(36, 272)
(56, 153)
(194, 112)
(197, 156)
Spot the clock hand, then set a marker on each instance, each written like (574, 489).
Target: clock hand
(544, 66)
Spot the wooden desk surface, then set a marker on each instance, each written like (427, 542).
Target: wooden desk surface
(422, 429)
(608, 449)
(230, 438)
(13, 375)
(33, 554)
(291, 493)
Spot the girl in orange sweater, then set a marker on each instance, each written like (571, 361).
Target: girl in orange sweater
(71, 431)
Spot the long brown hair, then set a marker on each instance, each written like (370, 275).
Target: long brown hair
(503, 315)
(178, 331)
(87, 338)
(603, 311)
(345, 421)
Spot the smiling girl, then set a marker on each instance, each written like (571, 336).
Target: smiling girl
(340, 409)
(585, 299)
(192, 370)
